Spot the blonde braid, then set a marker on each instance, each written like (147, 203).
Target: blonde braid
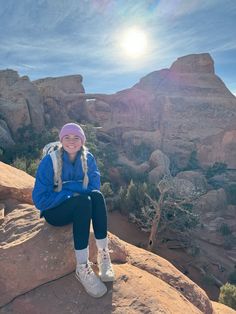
(84, 166)
(59, 154)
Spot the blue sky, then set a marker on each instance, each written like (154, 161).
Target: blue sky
(42, 38)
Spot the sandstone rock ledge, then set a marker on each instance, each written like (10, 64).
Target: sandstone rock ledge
(37, 271)
(38, 263)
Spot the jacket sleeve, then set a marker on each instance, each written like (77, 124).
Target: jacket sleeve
(43, 194)
(93, 174)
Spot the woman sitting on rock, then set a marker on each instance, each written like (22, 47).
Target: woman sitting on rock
(76, 200)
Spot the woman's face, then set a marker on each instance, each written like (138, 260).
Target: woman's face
(71, 144)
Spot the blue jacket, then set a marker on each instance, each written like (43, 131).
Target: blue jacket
(45, 197)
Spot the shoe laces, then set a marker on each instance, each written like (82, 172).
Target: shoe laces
(105, 256)
(87, 270)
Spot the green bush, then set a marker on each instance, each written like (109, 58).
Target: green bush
(28, 145)
(107, 190)
(228, 295)
(28, 165)
(232, 277)
(208, 280)
(128, 173)
(141, 152)
(231, 193)
(136, 196)
(105, 154)
(131, 198)
(193, 162)
(225, 229)
(179, 218)
(217, 168)
(20, 163)
(229, 241)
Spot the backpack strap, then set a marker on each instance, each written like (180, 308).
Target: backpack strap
(54, 156)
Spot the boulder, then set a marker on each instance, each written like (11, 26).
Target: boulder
(213, 201)
(20, 102)
(15, 183)
(199, 181)
(220, 308)
(63, 98)
(219, 148)
(130, 293)
(160, 164)
(5, 136)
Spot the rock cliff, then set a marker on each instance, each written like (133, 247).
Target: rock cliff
(62, 99)
(179, 110)
(184, 109)
(37, 266)
(20, 104)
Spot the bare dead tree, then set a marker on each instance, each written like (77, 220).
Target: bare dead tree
(167, 200)
(157, 206)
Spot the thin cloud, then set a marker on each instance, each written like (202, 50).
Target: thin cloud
(50, 38)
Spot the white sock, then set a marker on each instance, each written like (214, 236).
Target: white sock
(102, 243)
(81, 256)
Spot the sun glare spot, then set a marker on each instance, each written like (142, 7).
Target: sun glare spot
(134, 42)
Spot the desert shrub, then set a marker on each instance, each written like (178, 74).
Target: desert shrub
(224, 229)
(128, 174)
(194, 250)
(229, 241)
(217, 168)
(28, 165)
(178, 218)
(105, 154)
(208, 280)
(33, 166)
(28, 146)
(174, 168)
(193, 162)
(20, 163)
(135, 196)
(141, 152)
(131, 198)
(231, 193)
(232, 277)
(107, 190)
(228, 295)
(120, 201)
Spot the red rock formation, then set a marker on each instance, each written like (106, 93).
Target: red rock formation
(15, 184)
(20, 102)
(62, 98)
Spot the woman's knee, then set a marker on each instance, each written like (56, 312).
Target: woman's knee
(96, 195)
(83, 205)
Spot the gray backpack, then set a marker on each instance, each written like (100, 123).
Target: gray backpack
(52, 149)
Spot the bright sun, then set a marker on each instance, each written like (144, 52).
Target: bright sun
(134, 42)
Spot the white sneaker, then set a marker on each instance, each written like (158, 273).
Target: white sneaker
(90, 281)
(106, 271)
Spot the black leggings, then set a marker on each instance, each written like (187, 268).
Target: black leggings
(79, 210)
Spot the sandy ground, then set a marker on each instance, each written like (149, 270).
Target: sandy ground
(120, 226)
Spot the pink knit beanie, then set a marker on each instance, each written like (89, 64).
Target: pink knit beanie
(74, 129)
